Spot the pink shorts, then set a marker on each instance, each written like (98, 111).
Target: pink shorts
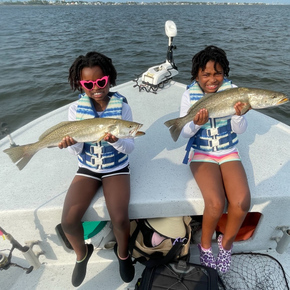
(203, 157)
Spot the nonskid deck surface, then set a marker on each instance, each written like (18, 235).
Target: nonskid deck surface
(32, 199)
(102, 272)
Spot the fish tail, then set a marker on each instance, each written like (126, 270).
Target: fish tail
(175, 126)
(21, 154)
(170, 123)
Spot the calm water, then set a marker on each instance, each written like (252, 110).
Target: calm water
(38, 45)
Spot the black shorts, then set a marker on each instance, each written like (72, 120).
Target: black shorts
(99, 176)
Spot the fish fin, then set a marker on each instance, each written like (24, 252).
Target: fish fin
(170, 123)
(109, 129)
(245, 109)
(53, 128)
(22, 163)
(15, 153)
(101, 138)
(175, 126)
(21, 154)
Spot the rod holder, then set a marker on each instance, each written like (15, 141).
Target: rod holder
(283, 242)
(31, 258)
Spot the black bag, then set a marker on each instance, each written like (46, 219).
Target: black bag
(179, 276)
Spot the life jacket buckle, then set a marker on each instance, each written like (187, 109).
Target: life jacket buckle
(96, 149)
(96, 161)
(214, 143)
(212, 131)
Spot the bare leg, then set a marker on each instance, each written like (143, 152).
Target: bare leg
(209, 179)
(238, 195)
(117, 195)
(78, 198)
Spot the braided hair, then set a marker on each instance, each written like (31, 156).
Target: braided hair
(91, 59)
(213, 53)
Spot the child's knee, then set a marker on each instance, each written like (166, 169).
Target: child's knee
(242, 206)
(245, 206)
(215, 208)
(69, 224)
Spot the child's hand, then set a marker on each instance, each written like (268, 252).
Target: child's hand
(242, 108)
(201, 117)
(65, 142)
(110, 138)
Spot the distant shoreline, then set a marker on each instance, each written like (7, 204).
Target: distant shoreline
(129, 3)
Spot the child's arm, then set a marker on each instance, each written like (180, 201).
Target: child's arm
(239, 124)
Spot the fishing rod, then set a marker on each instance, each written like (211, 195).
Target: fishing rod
(5, 261)
(4, 131)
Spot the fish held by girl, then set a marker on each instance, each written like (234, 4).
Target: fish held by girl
(90, 130)
(221, 104)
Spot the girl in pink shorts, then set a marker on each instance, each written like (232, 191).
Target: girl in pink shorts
(215, 162)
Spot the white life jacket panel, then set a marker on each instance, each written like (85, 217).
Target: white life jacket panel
(101, 155)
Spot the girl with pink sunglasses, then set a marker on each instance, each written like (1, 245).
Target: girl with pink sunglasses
(93, 75)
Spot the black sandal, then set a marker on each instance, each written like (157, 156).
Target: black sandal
(80, 269)
(126, 268)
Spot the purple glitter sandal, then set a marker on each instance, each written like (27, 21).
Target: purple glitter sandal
(206, 257)
(224, 258)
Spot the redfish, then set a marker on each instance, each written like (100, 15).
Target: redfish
(221, 104)
(90, 130)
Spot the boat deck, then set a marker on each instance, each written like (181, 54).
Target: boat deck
(161, 186)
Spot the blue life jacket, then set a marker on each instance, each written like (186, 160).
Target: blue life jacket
(214, 135)
(101, 155)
